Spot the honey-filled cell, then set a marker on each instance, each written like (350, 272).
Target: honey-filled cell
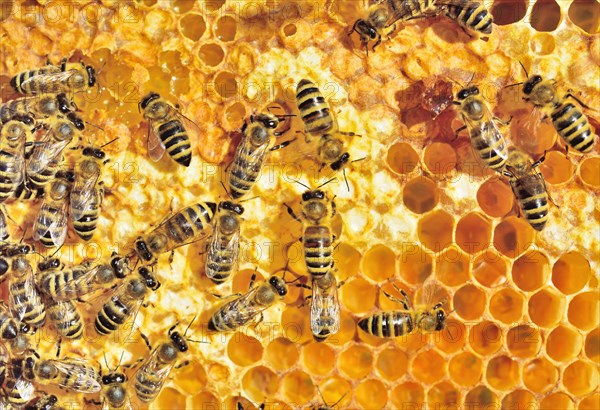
(371, 394)
(212, 5)
(584, 310)
(592, 345)
(439, 158)
(443, 395)
(356, 361)
(495, 197)
(191, 378)
(181, 6)
(589, 172)
(205, 400)
(347, 259)
(211, 54)
(466, 369)
(490, 268)
(428, 366)
(545, 15)
(506, 305)
(420, 194)
(557, 169)
(416, 264)
(590, 402)
(452, 338)
(225, 28)
(469, 302)
(508, 11)
(170, 398)
(519, 399)
(524, 341)
(513, 236)
(297, 387)
(244, 350)
(546, 307)
(531, 271)
(379, 263)
(226, 85)
(485, 338)
(502, 373)
(407, 395)
(358, 295)
(336, 390)
(318, 358)
(580, 378)
(281, 353)
(402, 158)
(540, 375)
(571, 272)
(435, 230)
(585, 14)
(563, 343)
(481, 398)
(473, 233)
(192, 26)
(296, 324)
(259, 382)
(392, 363)
(557, 401)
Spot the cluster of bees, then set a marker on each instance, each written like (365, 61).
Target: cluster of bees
(37, 128)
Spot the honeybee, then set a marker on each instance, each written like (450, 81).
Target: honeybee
(184, 227)
(73, 283)
(87, 193)
(470, 15)
(381, 18)
(68, 77)
(43, 163)
(4, 235)
(18, 389)
(324, 307)
(250, 155)
(9, 250)
(529, 187)
(168, 130)
(50, 227)
(224, 245)
(406, 321)
(24, 193)
(568, 119)
(25, 302)
(45, 402)
(151, 376)
(9, 327)
(321, 126)
(126, 300)
(13, 137)
(39, 106)
(486, 138)
(69, 373)
(246, 307)
(66, 318)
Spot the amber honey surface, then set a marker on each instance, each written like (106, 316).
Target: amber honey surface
(523, 332)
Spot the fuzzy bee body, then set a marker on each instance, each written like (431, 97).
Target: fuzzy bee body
(24, 299)
(52, 79)
(13, 137)
(69, 374)
(39, 106)
(25, 77)
(50, 227)
(66, 319)
(470, 15)
(224, 245)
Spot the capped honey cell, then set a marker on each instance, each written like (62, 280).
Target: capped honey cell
(435, 230)
(571, 272)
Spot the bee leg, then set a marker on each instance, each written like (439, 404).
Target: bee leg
(182, 364)
(291, 212)
(93, 402)
(227, 296)
(569, 94)
(349, 133)
(305, 300)
(171, 257)
(464, 127)
(282, 145)
(146, 340)
(503, 123)
(397, 300)
(539, 161)
(58, 347)
(567, 151)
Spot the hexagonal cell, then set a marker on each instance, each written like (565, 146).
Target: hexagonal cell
(212, 5)
(439, 158)
(556, 169)
(259, 382)
(481, 398)
(502, 373)
(473, 233)
(592, 344)
(356, 361)
(392, 363)
(428, 366)
(336, 389)
(585, 14)
(490, 269)
(443, 395)
(346, 332)
(508, 11)
(192, 26)
(182, 6)
(546, 307)
(524, 341)
(466, 369)
(318, 358)
(170, 397)
(244, 350)
(495, 197)
(379, 263)
(531, 271)
(191, 378)
(545, 15)
(506, 305)
(347, 259)
(452, 267)
(408, 394)
(420, 195)
(589, 172)
(470, 302)
(225, 28)
(402, 158)
(519, 399)
(485, 338)
(580, 378)
(513, 236)
(297, 387)
(435, 230)
(211, 54)
(416, 264)
(571, 272)
(539, 375)
(205, 400)
(590, 402)
(358, 295)
(563, 343)
(544, 44)
(452, 338)
(226, 84)
(372, 394)
(584, 310)
(557, 401)
(281, 354)
(295, 324)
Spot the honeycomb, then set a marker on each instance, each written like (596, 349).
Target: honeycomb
(524, 329)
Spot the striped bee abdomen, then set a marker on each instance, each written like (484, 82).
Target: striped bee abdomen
(189, 222)
(32, 87)
(493, 153)
(245, 170)
(86, 226)
(405, 9)
(313, 109)
(318, 249)
(533, 200)
(66, 319)
(8, 174)
(176, 140)
(573, 126)
(388, 324)
(112, 315)
(471, 15)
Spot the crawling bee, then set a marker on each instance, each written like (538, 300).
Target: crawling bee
(486, 138)
(38, 106)
(8, 251)
(168, 130)
(184, 227)
(224, 245)
(18, 389)
(250, 155)
(404, 322)
(150, 378)
(471, 16)
(568, 119)
(13, 137)
(87, 193)
(73, 283)
(50, 227)
(68, 77)
(246, 307)
(12, 332)
(529, 187)
(25, 302)
(69, 373)
(126, 300)
(381, 18)
(324, 306)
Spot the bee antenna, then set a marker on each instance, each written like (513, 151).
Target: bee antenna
(455, 82)
(248, 199)
(346, 179)
(106, 361)
(226, 190)
(303, 184)
(56, 251)
(524, 69)
(23, 237)
(120, 360)
(197, 341)
(285, 270)
(472, 77)
(329, 180)
(94, 125)
(109, 142)
(192, 321)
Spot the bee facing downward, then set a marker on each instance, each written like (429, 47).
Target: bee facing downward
(224, 245)
(50, 227)
(13, 137)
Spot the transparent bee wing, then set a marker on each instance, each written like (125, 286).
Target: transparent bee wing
(83, 195)
(71, 289)
(152, 371)
(61, 77)
(19, 302)
(192, 129)
(53, 217)
(63, 309)
(3, 227)
(82, 377)
(45, 152)
(431, 294)
(25, 388)
(492, 138)
(242, 310)
(232, 249)
(324, 310)
(156, 148)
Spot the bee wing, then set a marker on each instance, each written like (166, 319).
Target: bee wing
(492, 136)
(54, 217)
(431, 294)
(192, 129)
(324, 309)
(152, 368)
(3, 227)
(45, 152)
(58, 77)
(82, 376)
(25, 388)
(241, 310)
(156, 148)
(233, 249)
(73, 287)
(19, 303)
(82, 195)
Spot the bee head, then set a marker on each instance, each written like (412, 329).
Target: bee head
(440, 316)
(531, 83)
(18, 250)
(76, 120)
(279, 285)
(142, 250)
(50, 264)
(315, 194)
(467, 92)
(365, 30)
(148, 99)
(232, 206)
(341, 162)
(94, 152)
(64, 105)
(120, 266)
(179, 341)
(59, 189)
(267, 120)
(149, 278)
(114, 378)
(43, 403)
(314, 207)
(25, 119)
(91, 75)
